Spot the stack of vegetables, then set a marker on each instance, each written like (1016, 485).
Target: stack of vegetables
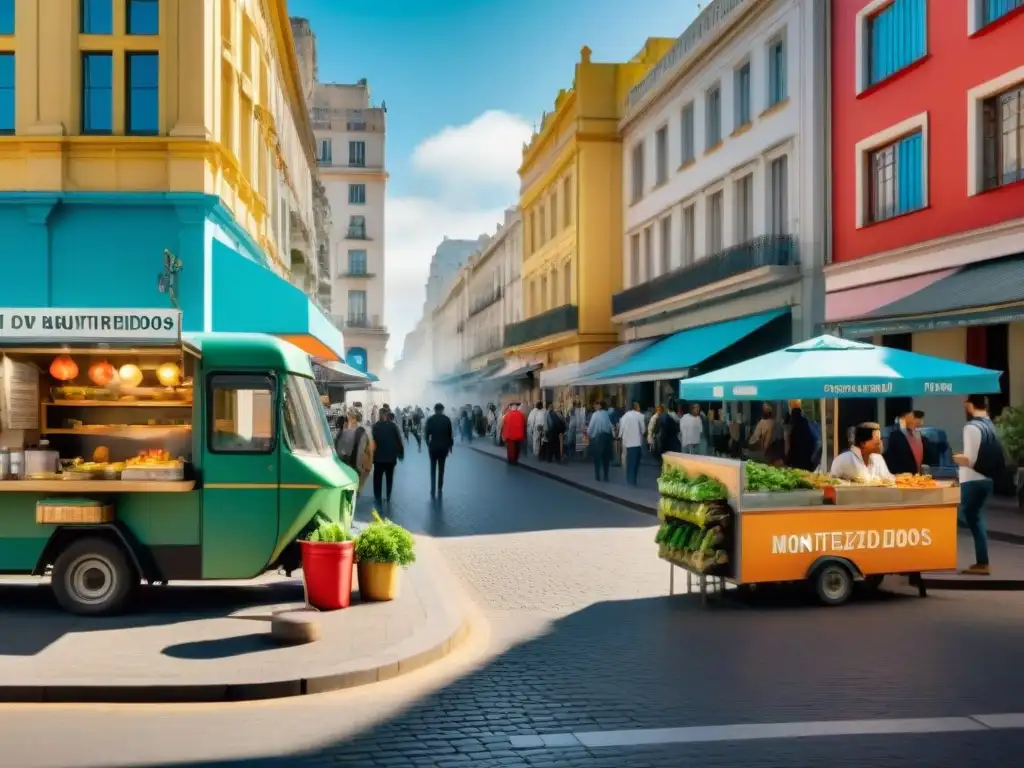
(763, 477)
(696, 528)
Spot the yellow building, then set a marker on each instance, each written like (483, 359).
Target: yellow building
(571, 200)
(133, 127)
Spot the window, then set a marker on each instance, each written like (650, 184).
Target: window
(634, 259)
(689, 245)
(897, 37)
(648, 253)
(226, 18)
(993, 10)
(745, 209)
(553, 202)
(567, 283)
(305, 424)
(638, 172)
(666, 244)
(357, 194)
(896, 178)
(1002, 137)
(778, 196)
(96, 17)
(143, 17)
(357, 262)
(227, 109)
(6, 93)
(689, 147)
(661, 155)
(777, 83)
(543, 212)
(97, 93)
(567, 200)
(243, 414)
(246, 124)
(743, 95)
(715, 214)
(714, 127)
(143, 97)
(357, 227)
(544, 293)
(554, 287)
(357, 154)
(324, 152)
(357, 309)
(6, 17)
(533, 299)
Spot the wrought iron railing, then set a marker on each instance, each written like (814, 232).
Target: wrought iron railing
(554, 321)
(763, 251)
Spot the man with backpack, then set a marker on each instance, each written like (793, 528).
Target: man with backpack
(353, 447)
(982, 461)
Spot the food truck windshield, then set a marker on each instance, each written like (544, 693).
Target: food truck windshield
(305, 424)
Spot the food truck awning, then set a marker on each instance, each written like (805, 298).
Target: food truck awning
(249, 298)
(568, 375)
(333, 372)
(672, 357)
(830, 367)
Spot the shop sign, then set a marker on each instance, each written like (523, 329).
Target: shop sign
(89, 325)
(827, 542)
(880, 389)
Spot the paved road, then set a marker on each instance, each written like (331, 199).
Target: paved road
(581, 638)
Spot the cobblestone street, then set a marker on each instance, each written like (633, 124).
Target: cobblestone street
(582, 638)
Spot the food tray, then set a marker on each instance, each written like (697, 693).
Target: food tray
(56, 512)
(869, 495)
(782, 499)
(76, 474)
(165, 474)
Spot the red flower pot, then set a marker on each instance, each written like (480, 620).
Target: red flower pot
(327, 571)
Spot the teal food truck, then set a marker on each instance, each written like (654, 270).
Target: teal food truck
(153, 457)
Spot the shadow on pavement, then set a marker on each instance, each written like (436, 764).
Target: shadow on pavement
(32, 620)
(667, 662)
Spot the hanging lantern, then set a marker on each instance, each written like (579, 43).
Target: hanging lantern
(63, 368)
(168, 374)
(102, 374)
(130, 375)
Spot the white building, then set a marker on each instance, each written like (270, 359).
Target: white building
(495, 294)
(724, 158)
(350, 136)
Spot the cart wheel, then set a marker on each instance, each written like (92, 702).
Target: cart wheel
(93, 577)
(874, 581)
(833, 583)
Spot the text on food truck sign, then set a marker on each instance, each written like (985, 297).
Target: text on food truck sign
(850, 541)
(89, 325)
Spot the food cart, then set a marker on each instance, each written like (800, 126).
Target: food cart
(721, 526)
(133, 453)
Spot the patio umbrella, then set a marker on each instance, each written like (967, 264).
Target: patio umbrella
(830, 367)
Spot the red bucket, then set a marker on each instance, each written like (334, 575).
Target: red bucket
(327, 571)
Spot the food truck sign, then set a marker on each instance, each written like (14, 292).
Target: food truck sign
(89, 325)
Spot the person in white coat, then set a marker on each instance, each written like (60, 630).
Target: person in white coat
(535, 427)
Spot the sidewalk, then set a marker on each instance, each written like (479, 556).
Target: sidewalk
(202, 642)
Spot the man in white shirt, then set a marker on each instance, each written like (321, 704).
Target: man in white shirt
(981, 460)
(535, 427)
(632, 432)
(691, 427)
(863, 462)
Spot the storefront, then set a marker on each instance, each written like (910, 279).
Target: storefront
(153, 250)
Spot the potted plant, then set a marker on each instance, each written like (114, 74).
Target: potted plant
(381, 549)
(328, 554)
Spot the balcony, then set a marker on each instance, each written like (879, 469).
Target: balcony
(482, 303)
(554, 321)
(364, 322)
(358, 274)
(764, 251)
(356, 233)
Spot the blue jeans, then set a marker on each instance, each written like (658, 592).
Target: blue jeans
(601, 452)
(633, 456)
(974, 495)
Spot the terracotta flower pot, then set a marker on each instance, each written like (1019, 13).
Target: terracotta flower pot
(378, 581)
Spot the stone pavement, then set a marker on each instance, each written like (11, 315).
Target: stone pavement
(582, 637)
(210, 642)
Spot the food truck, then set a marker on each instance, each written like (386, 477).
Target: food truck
(133, 453)
(726, 520)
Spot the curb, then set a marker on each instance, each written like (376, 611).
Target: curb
(423, 648)
(953, 583)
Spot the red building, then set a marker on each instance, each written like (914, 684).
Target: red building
(928, 180)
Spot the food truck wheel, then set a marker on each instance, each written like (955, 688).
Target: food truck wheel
(834, 583)
(92, 577)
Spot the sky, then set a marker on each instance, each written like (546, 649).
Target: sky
(464, 82)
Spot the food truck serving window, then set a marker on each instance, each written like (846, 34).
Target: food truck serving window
(241, 415)
(305, 425)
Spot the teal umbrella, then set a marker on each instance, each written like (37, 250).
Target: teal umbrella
(830, 367)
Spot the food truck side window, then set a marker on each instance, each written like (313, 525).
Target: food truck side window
(305, 424)
(241, 414)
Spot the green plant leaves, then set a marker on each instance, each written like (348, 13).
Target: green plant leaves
(383, 541)
(328, 532)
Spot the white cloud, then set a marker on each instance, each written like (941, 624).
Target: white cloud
(465, 164)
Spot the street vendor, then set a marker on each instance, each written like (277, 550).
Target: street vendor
(863, 462)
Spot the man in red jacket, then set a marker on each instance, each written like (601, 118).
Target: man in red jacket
(513, 432)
